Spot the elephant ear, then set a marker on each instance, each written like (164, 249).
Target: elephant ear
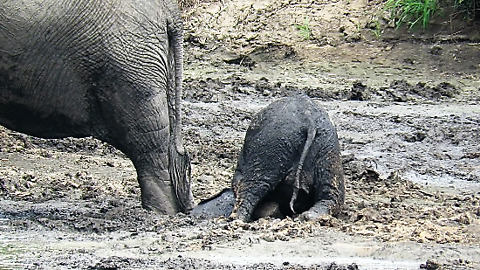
(180, 175)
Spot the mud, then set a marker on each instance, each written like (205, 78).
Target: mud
(406, 110)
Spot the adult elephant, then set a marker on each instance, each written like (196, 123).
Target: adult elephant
(111, 69)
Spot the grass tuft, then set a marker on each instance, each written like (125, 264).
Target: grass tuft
(304, 30)
(412, 12)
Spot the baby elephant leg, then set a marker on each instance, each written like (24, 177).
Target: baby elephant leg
(319, 210)
(329, 187)
(248, 196)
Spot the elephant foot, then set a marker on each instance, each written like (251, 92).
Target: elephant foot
(158, 196)
(317, 212)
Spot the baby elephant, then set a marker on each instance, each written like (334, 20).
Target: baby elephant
(290, 163)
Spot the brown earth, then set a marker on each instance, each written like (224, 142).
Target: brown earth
(406, 109)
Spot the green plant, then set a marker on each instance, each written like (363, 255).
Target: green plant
(375, 28)
(412, 12)
(304, 29)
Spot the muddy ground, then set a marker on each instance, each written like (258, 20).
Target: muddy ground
(406, 109)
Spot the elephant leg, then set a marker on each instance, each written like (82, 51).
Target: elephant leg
(163, 174)
(329, 189)
(247, 197)
(140, 126)
(157, 191)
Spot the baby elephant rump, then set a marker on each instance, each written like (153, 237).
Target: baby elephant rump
(291, 162)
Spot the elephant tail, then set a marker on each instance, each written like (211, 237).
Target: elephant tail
(175, 34)
(311, 133)
(179, 165)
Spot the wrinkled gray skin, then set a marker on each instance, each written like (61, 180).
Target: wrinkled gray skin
(216, 206)
(222, 205)
(290, 163)
(109, 69)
